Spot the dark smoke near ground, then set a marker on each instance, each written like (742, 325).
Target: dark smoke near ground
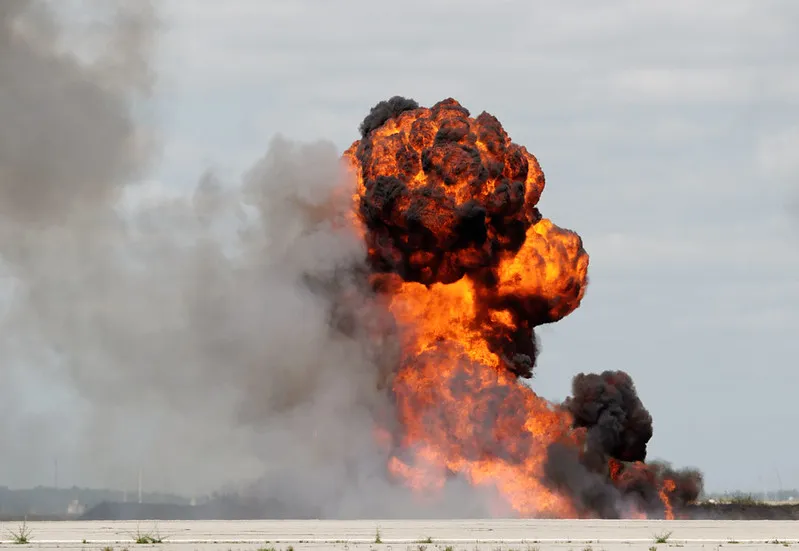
(609, 476)
(617, 427)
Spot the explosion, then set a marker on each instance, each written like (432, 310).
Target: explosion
(468, 267)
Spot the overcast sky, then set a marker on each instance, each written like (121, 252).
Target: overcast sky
(668, 131)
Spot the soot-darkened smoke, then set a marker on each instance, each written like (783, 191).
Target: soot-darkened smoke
(618, 428)
(475, 204)
(688, 483)
(384, 111)
(591, 492)
(618, 424)
(451, 234)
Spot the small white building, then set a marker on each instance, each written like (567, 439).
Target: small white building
(75, 508)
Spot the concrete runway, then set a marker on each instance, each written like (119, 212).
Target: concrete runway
(432, 535)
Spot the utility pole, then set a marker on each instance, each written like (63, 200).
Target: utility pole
(139, 484)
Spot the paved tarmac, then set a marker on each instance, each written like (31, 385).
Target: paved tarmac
(397, 535)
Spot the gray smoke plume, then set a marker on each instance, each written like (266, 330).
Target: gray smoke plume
(189, 336)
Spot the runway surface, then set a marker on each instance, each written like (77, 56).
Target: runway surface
(397, 535)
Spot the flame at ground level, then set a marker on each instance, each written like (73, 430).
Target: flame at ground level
(460, 418)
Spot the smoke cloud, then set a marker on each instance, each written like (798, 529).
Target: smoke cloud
(166, 329)
(214, 339)
(619, 426)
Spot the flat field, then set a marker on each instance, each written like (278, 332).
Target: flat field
(396, 535)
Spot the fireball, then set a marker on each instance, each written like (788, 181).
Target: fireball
(447, 206)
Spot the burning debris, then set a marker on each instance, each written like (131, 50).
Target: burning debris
(468, 267)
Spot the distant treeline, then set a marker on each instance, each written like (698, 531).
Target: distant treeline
(55, 502)
(738, 496)
(47, 502)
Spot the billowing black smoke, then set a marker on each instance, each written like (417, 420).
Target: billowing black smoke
(609, 474)
(384, 111)
(618, 424)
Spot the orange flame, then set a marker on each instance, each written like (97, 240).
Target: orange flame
(446, 397)
(666, 488)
